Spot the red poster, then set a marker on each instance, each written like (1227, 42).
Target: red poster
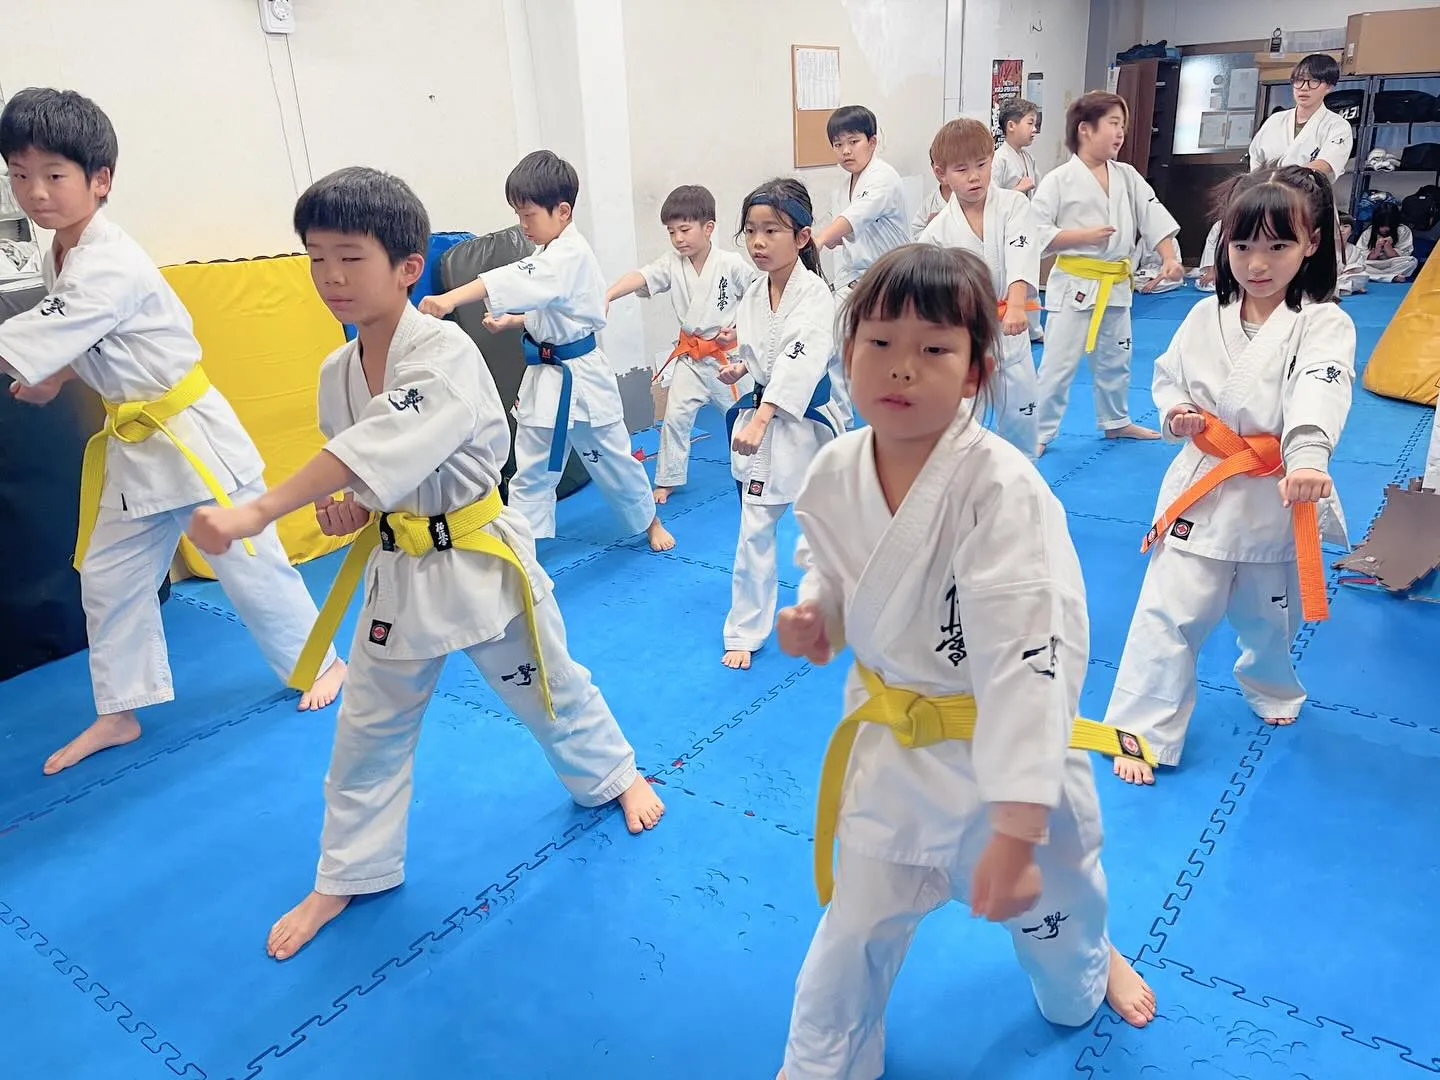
(1004, 86)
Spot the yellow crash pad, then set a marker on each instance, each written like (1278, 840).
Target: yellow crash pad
(264, 333)
(1406, 361)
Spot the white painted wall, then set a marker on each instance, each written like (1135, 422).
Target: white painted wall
(710, 99)
(221, 127)
(1048, 35)
(1188, 22)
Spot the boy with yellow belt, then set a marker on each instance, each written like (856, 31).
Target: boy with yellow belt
(170, 442)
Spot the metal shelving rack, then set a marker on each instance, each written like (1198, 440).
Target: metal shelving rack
(1369, 127)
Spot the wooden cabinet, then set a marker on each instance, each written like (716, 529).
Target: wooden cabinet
(1151, 90)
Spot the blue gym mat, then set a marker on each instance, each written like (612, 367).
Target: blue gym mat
(1273, 888)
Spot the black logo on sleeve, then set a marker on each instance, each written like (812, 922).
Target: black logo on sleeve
(400, 400)
(1042, 660)
(52, 305)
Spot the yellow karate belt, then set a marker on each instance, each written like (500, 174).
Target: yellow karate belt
(918, 721)
(416, 535)
(134, 422)
(1107, 273)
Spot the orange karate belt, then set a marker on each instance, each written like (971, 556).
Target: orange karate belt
(695, 347)
(1030, 305)
(1254, 455)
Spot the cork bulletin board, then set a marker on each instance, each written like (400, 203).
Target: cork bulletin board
(815, 95)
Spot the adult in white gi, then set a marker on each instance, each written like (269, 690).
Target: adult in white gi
(111, 320)
(790, 353)
(1012, 254)
(1119, 220)
(705, 303)
(1232, 554)
(972, 586)
(1318, 138)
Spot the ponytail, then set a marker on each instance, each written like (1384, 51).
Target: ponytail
(810, 256)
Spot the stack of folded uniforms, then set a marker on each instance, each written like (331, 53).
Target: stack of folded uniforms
(1381, 161)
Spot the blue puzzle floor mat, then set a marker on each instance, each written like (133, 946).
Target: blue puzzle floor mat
(1274, 890)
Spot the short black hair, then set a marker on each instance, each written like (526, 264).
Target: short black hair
(851, 120)
(1288, 203)
(1317, 66)
(366, 202)
(690, 202)
(1013, 111)
(59, 122)
(543, 178)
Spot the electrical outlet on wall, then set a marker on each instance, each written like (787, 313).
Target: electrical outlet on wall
(277, 16)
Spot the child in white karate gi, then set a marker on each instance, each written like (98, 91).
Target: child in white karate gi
(1388, 246)
(871, 210)
(418, 436)
(934, 549)
(933, 203)
(705, 284)
(1096, 215)
(786, 333)
(569, 392)
(995, 224)
(1015, 167)
(1353, 278)
(1259, 377)
(1309, 134)
(170, 442)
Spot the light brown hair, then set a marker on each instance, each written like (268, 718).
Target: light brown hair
(960, 141)
(1090, 109)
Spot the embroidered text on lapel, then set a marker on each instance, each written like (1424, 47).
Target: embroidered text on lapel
(954, 639)
(53, 305)
(722, 301)
(400, 400)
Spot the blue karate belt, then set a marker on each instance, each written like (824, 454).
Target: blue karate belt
(537, 352)
(752, 401)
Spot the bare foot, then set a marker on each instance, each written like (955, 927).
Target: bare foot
(1279, 721)
(1131, 431)
(643, 808)
(112, 729)
(659, 537)
(1127, 993)
(1134, 772)
(1040, 450)
(738, 659)
(662, 495)
(325, 688)
(302, 922)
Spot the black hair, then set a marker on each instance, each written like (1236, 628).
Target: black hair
(366, 202)
(851, 120)
(944, 286)
(790, 200)
(1387, 215)
(689, 202)
(1346, 219)
(1287, 203)
(1317, 66)
(1013, 111)
(1091, 108)
(59, 122)
(543, 178)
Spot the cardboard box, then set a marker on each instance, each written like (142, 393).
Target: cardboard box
(1393, 42)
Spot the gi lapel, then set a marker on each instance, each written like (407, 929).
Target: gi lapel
(913, 522)
(1247, 357)
(702, 292)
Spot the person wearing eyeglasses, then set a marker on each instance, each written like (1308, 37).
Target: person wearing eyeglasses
(1309, 134)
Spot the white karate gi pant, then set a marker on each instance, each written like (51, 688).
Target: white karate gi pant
(690, 391)
(1017, 399)
(606, 452)
(120, 578)
(1401, 266)
(370, 780)
(1065, 333)
(1037, 332)
(837, 1027)
(755, 582)
(1432, 457)
(1182, 600)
